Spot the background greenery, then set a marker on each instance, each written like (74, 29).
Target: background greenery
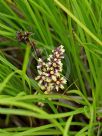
(77, 24)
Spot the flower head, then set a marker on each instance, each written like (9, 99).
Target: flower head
(50, 77)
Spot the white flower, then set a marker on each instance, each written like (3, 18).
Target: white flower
(50, 77)
(60, 83)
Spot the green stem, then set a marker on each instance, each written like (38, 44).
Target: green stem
(25, 64)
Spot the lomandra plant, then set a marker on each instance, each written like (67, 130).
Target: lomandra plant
(72, 108)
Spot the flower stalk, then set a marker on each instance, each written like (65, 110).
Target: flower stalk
(49, 74)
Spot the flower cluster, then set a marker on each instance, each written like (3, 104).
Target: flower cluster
(23, 36)
(50, 77)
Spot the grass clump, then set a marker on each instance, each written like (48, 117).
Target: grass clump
(30, 30)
